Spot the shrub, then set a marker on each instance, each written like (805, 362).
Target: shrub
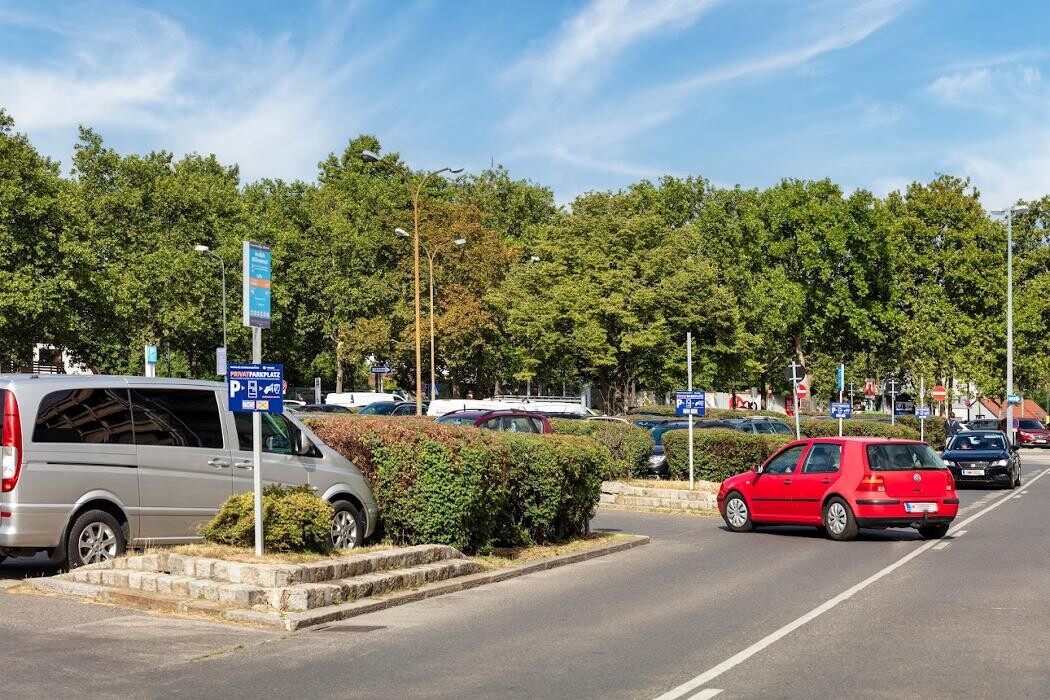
(717, 453)
(935, 434)
(294, 520)
(855, 427)
(629, 446)
(471, 489)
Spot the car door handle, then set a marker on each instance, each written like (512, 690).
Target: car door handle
(787, 482)
(825, 481)
(244, 465)
(218, 463)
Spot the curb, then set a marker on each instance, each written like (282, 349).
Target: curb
(292, 621)
(694, 512)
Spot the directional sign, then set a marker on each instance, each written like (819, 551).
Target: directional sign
(256, 286)
(1013, 399)
(690, 403)
(255, 388)
(841, 410)
(381, 369)
(802, 390)
(922, 412)
(893, 385)
(794, 372)
(939, 393)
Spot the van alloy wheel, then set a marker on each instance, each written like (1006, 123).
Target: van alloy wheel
(344, 530)
(97, 543)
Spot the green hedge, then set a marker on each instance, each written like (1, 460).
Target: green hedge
(934, 433)
(629, 446)
(468, 488)
(717, 453)
(856, 427)
(294, 520)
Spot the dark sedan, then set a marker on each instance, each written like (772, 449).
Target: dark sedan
(391, 408)
(983, 457)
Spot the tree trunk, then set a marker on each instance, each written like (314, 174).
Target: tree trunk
(339, 366)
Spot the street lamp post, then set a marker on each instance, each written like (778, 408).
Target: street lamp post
(414, 189)
(431, 256)
(205, 249)
(1009, 212)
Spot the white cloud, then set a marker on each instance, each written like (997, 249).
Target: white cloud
(591, 39)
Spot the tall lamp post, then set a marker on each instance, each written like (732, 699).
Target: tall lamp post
(1009, 213)
(414, 189)
(431, 255)
(208, 251)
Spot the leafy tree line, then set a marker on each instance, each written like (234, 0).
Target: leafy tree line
(100, 260)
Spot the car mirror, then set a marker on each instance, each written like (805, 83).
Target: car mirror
(759, 469)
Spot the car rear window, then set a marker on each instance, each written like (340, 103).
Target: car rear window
(98, 416)
(891, 457)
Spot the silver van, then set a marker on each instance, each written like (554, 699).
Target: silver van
(94, 464)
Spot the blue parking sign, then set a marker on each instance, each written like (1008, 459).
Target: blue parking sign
(255, 388)
(841, 410)
(690, 403)
(922, 411)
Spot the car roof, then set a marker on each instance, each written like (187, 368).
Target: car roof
(106, 379)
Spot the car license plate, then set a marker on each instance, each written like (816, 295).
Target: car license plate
(1040, 441)
(920, 507)
(973, 472)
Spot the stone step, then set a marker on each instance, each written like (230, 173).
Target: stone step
(708, 503)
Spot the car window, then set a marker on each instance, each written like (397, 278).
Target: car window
(492, 424)
(279, 435)
(405, 409)
(822, 459)
(95, 416)
(785, 462)
(781, 429)
(977, 442)
(176, 418)
(902, 457)
(1028, 424)
(537, 425)
(456, 420)
(518, 424)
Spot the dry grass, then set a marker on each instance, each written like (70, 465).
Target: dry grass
(247, 556)
(512, 556)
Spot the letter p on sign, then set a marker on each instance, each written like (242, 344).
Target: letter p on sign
(235, 386)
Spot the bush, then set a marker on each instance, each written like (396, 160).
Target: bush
(294, 520)
(717, 453)
(856, 427)
(471, 489)
(629, 446)
(935, 434)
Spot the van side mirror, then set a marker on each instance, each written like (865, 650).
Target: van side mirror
(303, 446)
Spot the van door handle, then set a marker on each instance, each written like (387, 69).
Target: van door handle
(244, 465)
(218, 463)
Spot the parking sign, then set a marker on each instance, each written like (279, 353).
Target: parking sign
(255, 388)
(689, 403)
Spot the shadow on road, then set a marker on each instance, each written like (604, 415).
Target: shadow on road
(28, 567)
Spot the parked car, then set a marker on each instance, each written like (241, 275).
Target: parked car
(1032, 433)
(356, 399)
(759, 425)
(505, 421)
(92, 464)
(610, 419)
(650, 422)
(985, 424)
(322, 408)
(391, 408)
(843, 484)
(983, 456)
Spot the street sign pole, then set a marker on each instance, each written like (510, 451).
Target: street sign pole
(842, 382)
(689, 386)
(893, 403)
(798, 426)
(256, 277)
(257, 449)
(922, 404)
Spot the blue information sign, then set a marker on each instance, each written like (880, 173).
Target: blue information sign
(690, 403)
(256, 286)
(381, 369)
(841, 410)
(151, 354)
(922, 411)
(255, 388)
(1013, 399)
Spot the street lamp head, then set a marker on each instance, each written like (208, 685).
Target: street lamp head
(1019, 209)
(369, 157)
(201, 248)
(456, 171)
(459, 241)
(402, 232)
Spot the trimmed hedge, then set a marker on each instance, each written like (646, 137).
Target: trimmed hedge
(935, 433)
(294, 520)
(629, 446)
(718, 453)
(471, 489)
(856, 427)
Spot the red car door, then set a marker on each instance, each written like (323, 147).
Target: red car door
(771, 491)
(818, 475)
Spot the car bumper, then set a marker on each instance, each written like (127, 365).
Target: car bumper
(991, 475)
(892, 512)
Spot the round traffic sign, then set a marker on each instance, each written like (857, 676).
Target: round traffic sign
(939, 393)
(802, 391)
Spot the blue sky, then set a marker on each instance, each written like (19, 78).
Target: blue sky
(583, 95)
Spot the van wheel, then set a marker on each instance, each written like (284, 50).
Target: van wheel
(348, 526)
(95, 536)
(839, 520)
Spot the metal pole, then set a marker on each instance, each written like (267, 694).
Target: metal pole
(433, 381)
(922, 404)
(1009, 324)
(794, 384)
(415, 274)
(689, 386)
(223, 264)
(257, 449)
(893, 403)
(840, 415)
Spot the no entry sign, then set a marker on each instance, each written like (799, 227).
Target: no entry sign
(802, 391)
(939, 393)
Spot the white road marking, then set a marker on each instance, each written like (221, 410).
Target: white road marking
(772, 638)
(941, 545)
(706, 694)
(960, 533)
(1024, 492)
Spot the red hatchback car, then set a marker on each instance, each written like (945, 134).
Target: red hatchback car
(1032, 433)
(843, 484)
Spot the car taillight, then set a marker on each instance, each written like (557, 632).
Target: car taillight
(10, 444)
(873, 482)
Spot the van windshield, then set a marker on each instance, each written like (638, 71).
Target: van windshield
(902, 457)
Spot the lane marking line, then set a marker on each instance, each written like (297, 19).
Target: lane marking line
(773, 637)
(941, 545)
(960, 533)
(707, 694)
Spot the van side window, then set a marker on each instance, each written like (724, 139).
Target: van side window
(279, 435)
(176, 418)
(93, 416)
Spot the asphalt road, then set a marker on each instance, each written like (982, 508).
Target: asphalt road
(699, 612)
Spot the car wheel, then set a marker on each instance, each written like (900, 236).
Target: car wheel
(1011, 482)
(95, 536)
(1018, 481)
(348, 526)
(736, 513)
(933, 532)
(839, 520)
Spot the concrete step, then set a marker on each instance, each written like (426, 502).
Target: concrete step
(650, 502)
